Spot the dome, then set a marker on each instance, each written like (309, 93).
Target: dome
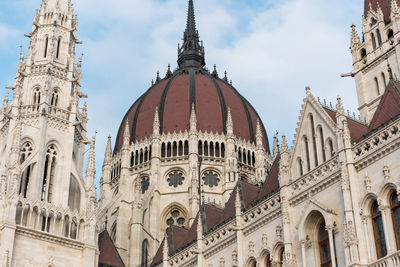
(191, 85)
(174, 96)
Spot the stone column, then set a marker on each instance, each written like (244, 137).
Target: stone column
(330, 230)
(303, 252)
(384, 209)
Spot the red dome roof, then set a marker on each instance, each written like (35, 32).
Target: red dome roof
(174, 97)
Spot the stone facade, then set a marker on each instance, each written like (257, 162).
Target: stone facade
(47, 208)
(199, 196)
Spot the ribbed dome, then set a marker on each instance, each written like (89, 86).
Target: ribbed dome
(174, 96)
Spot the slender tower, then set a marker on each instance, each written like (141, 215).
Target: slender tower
(44, 198)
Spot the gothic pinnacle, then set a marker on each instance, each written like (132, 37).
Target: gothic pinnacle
(108, 153)
(156, 123)
(91, 168)
(259, 136)
(127, 135)
(193, 119)
(229, 123)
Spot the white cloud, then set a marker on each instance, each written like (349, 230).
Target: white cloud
(271, 53)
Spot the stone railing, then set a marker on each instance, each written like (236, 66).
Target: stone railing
(377, 140)
(48, 218)
(52, 111)
(30, 110)
(58, 113)
(388, 261)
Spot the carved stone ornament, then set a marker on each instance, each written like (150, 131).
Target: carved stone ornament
(222, 262)
(386, 173)
(265, 240)
(367, 183)
(251, 248)
(234, 257)
(350, 237)
(279, 232)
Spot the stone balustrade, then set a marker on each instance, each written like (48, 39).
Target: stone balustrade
(392, 260)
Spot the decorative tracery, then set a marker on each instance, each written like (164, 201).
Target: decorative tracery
(26, 151)
(175, 179)
(48, 175)
(211, 179)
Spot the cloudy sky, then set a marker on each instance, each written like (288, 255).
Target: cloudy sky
(270, 49)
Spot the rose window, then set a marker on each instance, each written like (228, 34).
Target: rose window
(175, 218)
(211, 179)
(175, 179)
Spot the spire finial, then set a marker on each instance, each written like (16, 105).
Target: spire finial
(91, 167)
(191, 54)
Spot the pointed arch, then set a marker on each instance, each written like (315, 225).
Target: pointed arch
(47, 192)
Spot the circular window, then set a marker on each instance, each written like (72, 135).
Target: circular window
(211, 179)
(175, 218)
(175, 179)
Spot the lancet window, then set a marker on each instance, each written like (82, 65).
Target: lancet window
(24, 185)
(379, 235)
(26, 151)
(395, 207)
(48, 175)
(58, 47)
(54, 98)
(36, 96)
(74, 196)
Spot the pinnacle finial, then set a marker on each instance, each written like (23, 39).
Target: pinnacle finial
(156, 123)
(259, 137)
(191, 21)
(91, 167)
(285, 147)
(127, 135)
(229, 123)
(191, 54)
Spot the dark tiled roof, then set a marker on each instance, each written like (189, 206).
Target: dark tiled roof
(357, 129)
(384, 4)
(174, 97)
(109, 255)
(389, 106)
(271, 184)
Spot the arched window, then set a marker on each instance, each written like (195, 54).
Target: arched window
(300, 166)
(205, 148)
(330, 145)
(175, 216)
(390, 34)
(137, 158)
(58, 47)
(24, 185)
(363, 53)
(223, 150)
(324, 249)
(132, 159)
(146, 155)
(321, 137)
(26, 151)
(74, 196)
(379, 235)
(169, 152)
(217, 151)
(378, 35)
(253, 157)
(244, 156)
(54, 98)
(395, 207)
(307, 153)
(180, 149)
(373, 40)
(186, 148)
(212, 149)
(141, 156)
(36, 96)
(200, 148)
(240, 155)
(174, 149)
(314, 141)
(114, 231)
(145, 254)
(383, 80)
(163, 150)
(48, 175)
(377, 86)
(46, 44)
(248, 158)
(66, 226)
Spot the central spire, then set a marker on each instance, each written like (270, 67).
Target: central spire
(191, 54)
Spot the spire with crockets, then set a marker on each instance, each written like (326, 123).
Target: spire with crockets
(191, 54)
